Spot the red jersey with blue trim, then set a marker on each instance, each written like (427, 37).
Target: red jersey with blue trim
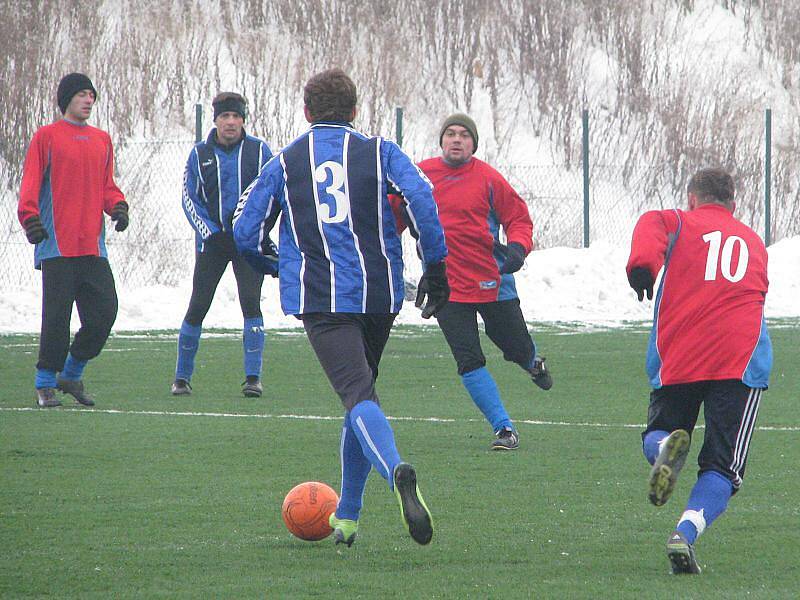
(709, 311)
(474, 202)
(68, 180)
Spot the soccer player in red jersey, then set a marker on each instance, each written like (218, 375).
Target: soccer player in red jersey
(67, 185)
(475, 203)
(709, 345)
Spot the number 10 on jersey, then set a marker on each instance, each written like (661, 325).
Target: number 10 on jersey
(723, 262)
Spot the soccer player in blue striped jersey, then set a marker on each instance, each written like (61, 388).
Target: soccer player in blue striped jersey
(341, 273)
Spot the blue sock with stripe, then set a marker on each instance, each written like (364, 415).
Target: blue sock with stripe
(376, 438)
(651, 444)
(708, 500)
(73, 368)
(253, 343)
(45, 378)
(355, 470)
(484, 393)
(188, 343)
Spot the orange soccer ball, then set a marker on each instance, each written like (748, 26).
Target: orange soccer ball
(306, 510)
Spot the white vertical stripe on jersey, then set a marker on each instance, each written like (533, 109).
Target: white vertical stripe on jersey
(219, 192)
(319, 220)
(379, 196)
(238, 173)
(746, 427)
(290, 216)
(414, 223)
(350, 219)
(262, 233)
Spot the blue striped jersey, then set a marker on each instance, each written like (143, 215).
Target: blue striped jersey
(215, 178)
(339, 247)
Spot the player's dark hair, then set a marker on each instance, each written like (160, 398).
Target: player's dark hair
(330, 96)
(712, 185)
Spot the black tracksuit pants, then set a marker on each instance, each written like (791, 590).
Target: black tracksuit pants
(87, 282)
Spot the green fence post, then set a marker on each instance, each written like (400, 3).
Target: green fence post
(198, 122)
(767, 175)
(585, 119)
(398, 125)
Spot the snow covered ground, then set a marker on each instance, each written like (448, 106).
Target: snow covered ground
(556, 285)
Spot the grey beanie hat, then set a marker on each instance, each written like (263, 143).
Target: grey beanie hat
(460, 119)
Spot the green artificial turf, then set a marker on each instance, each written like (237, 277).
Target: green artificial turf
(153, 496)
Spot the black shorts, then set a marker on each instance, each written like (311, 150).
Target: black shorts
(349, 348)
(730, 409)
(505, 326)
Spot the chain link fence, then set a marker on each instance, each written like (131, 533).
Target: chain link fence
(158, 247)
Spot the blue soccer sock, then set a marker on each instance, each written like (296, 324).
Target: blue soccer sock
(708, 500)
(188, 343)
(45, 378)
(651, 444)
(355, 470)
(253, 342)
(376, 438)
(73, 368)
(484, 393)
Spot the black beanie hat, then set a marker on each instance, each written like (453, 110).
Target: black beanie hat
(69, 86)
(463, 120)
(229, 102)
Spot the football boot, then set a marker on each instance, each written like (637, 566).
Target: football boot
(414, 512)
(506, 439)
(668, 465)
(76, 390)
(344, 530)
(181, 387)
(540, 374)
(681, 555)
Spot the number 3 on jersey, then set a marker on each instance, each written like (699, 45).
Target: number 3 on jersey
(335, 189)
(724, 263)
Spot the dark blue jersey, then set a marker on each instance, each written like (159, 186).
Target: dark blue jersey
(339, 247)
(215, 178)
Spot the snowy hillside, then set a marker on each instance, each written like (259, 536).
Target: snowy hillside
(669, 87)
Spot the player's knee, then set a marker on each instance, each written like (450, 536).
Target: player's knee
(467, 365)
(349, 401)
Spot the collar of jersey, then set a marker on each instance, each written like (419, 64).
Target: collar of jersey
(331, 124)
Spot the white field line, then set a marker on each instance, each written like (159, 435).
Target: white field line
(170, 413)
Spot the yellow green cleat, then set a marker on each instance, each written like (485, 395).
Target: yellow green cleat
(668, 465)
(414, 512)
(344, 530)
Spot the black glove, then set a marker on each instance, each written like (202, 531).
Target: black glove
(34, 230)
(119, 213)
(222, 243)
(433, 284)
(271, 254)
(515, 258)
(641, 281)
(266, 264)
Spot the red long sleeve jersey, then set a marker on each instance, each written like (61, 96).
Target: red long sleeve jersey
(709, 311)
(474, 201)
(68, 180)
